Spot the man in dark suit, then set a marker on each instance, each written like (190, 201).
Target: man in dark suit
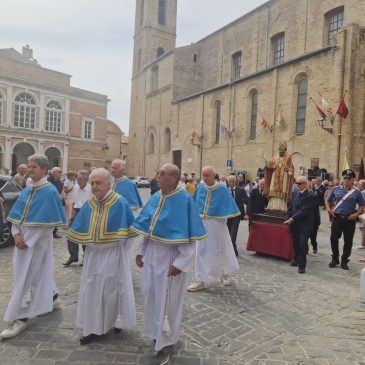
(240, 197)
(257, 201)
(301, 221)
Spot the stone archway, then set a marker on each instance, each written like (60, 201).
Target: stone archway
(54, 156)
(21, 152)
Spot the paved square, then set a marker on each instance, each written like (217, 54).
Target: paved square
(270, 316)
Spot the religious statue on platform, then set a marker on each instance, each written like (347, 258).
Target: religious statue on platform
(279, 179)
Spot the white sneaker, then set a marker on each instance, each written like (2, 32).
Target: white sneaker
(197, 285)
(226, 280)
(15, 328)
(57, 303)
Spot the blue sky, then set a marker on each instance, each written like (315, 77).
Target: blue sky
(92, 40)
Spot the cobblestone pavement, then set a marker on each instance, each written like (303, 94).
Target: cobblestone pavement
(270, 316)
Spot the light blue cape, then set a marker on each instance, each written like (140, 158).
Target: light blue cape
(129, 191)
(170, 218)
(215, 203)
(40, 206)
(103, 221)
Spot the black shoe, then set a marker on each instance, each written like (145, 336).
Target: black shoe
(84, 340)
(315, 250)
(344, 265)
(301, 271)
(334, 263)
(293, 263)
(117, 330)
(69, 262)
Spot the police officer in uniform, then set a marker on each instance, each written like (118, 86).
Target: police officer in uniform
(349, 205)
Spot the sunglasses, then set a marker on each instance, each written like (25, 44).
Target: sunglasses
(301, 183)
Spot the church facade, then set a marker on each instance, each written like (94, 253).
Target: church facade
(279, 72)
(40, 112)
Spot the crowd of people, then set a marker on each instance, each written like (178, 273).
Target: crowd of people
(185, 220)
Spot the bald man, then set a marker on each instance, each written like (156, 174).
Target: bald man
(124, 187)
(21, 177)
(215, 256)
(106, 297)
(170, 225)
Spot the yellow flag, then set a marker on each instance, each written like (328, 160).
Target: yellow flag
(345, 164)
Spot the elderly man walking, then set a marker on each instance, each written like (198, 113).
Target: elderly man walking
(301, 214)
(123, 186)
(81, 193)
(34, 215)
(21, 177)
(215, 256)
(170, 225)
(106, 297)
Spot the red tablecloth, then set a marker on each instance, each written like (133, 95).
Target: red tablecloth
(271, 239)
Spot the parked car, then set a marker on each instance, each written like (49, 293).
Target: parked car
(11, 191)
(142, 182)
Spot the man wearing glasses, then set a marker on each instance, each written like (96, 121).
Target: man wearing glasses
(349, 206)
(301, 221)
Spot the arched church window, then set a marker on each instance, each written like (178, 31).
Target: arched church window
(167, 140)
(151, 144)
(161, 12)
(160, 51)
(301, 106)
(217, 120)
(254, 97)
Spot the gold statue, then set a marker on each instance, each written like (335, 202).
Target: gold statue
(279, 178)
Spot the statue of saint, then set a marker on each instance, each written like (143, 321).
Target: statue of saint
(279, 179)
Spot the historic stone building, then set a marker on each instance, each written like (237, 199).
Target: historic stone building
(40, 112)
(232, 96)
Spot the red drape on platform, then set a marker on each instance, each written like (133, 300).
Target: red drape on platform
(271, 239)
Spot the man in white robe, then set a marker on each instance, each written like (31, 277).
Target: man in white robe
(215, 256)
(170, 225)
(35, 214)
(106, 298)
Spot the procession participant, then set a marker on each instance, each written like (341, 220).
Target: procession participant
(81, 193)
(67, 193)
(34, 215)
(241, 198)
(125, 187)
(106, 297)
(55, 179)
(170, 225)
(301, 218)
(215, 256)
(21, 177)
(349, 206)
(257, 201)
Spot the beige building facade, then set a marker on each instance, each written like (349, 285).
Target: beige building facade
(40, 112)
(229, 98)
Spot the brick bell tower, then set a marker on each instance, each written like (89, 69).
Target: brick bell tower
(154, 35)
